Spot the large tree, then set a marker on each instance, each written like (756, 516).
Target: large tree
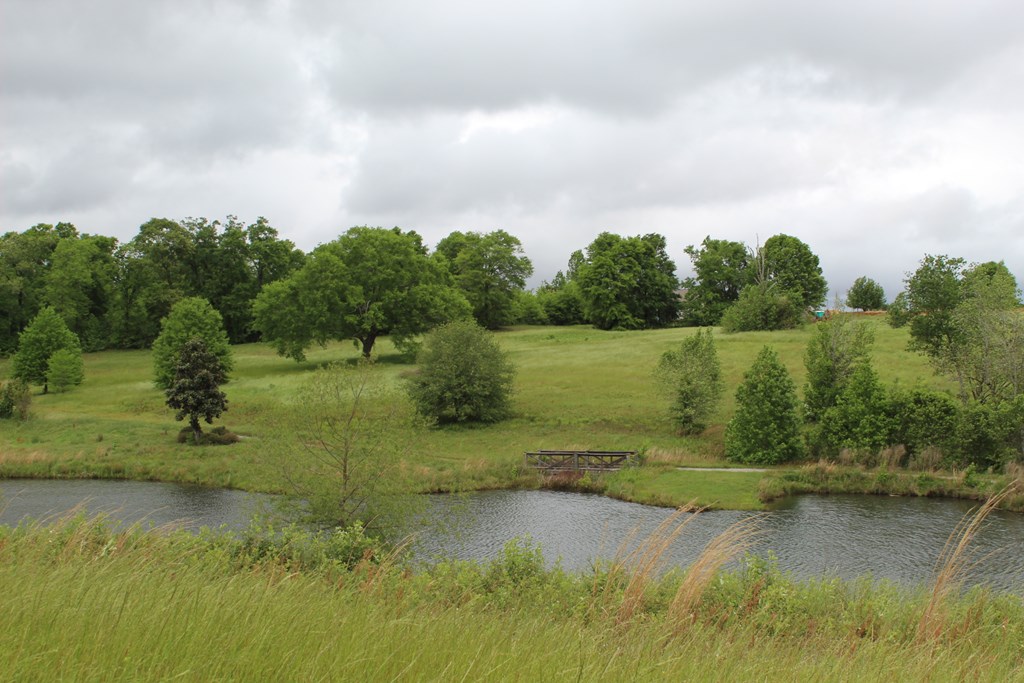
(794, 268)
(44, 336)
(194, 391)
(721, 270)
(190, 318)
(932, 292)
(80, 286)
(628, 282)
(367, 283)
(491, 270)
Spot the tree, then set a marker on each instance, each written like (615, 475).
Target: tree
(866, 294)
(463, 376)
(837, 346)
(354, 435)
(795, 269)
(195, 388)
(766, 427)
(24, 264)
(491, 270)
(64, 369)
(628, 282)
(692, 378)
(15, 399)
(79, 285)
(927, 303)
(367, 283)
(721, 271)
(45, 335)
(189, 318)
(860, 417)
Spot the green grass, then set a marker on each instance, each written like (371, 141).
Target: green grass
(82, 603)
(577, 387)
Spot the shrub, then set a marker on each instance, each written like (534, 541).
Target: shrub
(761, 307)
(860, 418)
(15, 399)
(766, 427)
(64, 369)
(922, 421)
(832, 354)
(464, 376)
(989, 436)
(692, 377)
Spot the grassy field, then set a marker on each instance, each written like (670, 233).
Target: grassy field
(577, 388)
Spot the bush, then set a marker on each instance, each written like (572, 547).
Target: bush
(15, 399)
(464, 376)
(922, 421)
(64, 369)
(766, 427)
(989, 436)
(860, 418)
(692, 377)
(760, 307)
(218, 436)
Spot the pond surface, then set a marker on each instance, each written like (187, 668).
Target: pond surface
(897, 539)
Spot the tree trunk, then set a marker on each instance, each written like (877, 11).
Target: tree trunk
(368, 341)
(197, 431)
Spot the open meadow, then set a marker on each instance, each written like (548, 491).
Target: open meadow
(576, 387)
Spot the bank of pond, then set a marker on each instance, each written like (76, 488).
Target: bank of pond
(895, 539)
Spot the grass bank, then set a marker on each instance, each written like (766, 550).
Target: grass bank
(577, 388)
(85, 603)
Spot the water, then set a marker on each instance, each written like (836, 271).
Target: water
(890, 538)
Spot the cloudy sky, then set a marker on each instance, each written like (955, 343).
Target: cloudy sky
(875, 131)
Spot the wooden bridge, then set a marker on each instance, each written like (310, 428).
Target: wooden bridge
(579, 461)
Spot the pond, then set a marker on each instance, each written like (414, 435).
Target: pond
(890, 538)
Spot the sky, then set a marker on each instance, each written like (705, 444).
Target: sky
(876, 131)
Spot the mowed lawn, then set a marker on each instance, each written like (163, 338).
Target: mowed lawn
(577, 387)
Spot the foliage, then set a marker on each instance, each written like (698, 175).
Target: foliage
(922, 419)
(195, 390)
(837, 345)
(860, 417)
(795, 269)
(25, 259)
(762, 307)
(367, 283)
(491, 270)
(189, 318)
(64, 369)
(866, 294)
(45, 335)
(464, 376)
(562, 301)
(80, 286)
(766, 427)
(932, 292)
(15, 399)
(691, 376)
(990, 435)
(628, 283)
(721, 271)
(354, 434)
(527, 310)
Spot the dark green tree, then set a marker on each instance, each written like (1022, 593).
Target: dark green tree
(45, 335)
(691, 376)
(795, 269)
(866, 294)
(195, 391)
(721, 271)
(836, 348)
(766, 427)
(189, 318)
(367, 283)
(491, 270)
(628, 283)
(463, 376)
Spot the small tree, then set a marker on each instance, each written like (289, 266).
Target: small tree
(692, 378)
(189, 318)
(836, 347)
(766, 427)
(860, 417)
(15, 399)
(761, 306)
(464, 375)
(46, 334)
(64, 369)
(866, 294)
(195, 392)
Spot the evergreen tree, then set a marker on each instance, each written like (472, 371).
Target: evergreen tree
(195, 390)
(766, 427)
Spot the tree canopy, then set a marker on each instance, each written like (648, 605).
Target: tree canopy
(721, 270)
(367, 283)
(628, 282)
(490, 269)
(44, 336)
(866, 294)
(190, 318)
(793, 267)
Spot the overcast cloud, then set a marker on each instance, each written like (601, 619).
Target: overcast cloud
(874, 131)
